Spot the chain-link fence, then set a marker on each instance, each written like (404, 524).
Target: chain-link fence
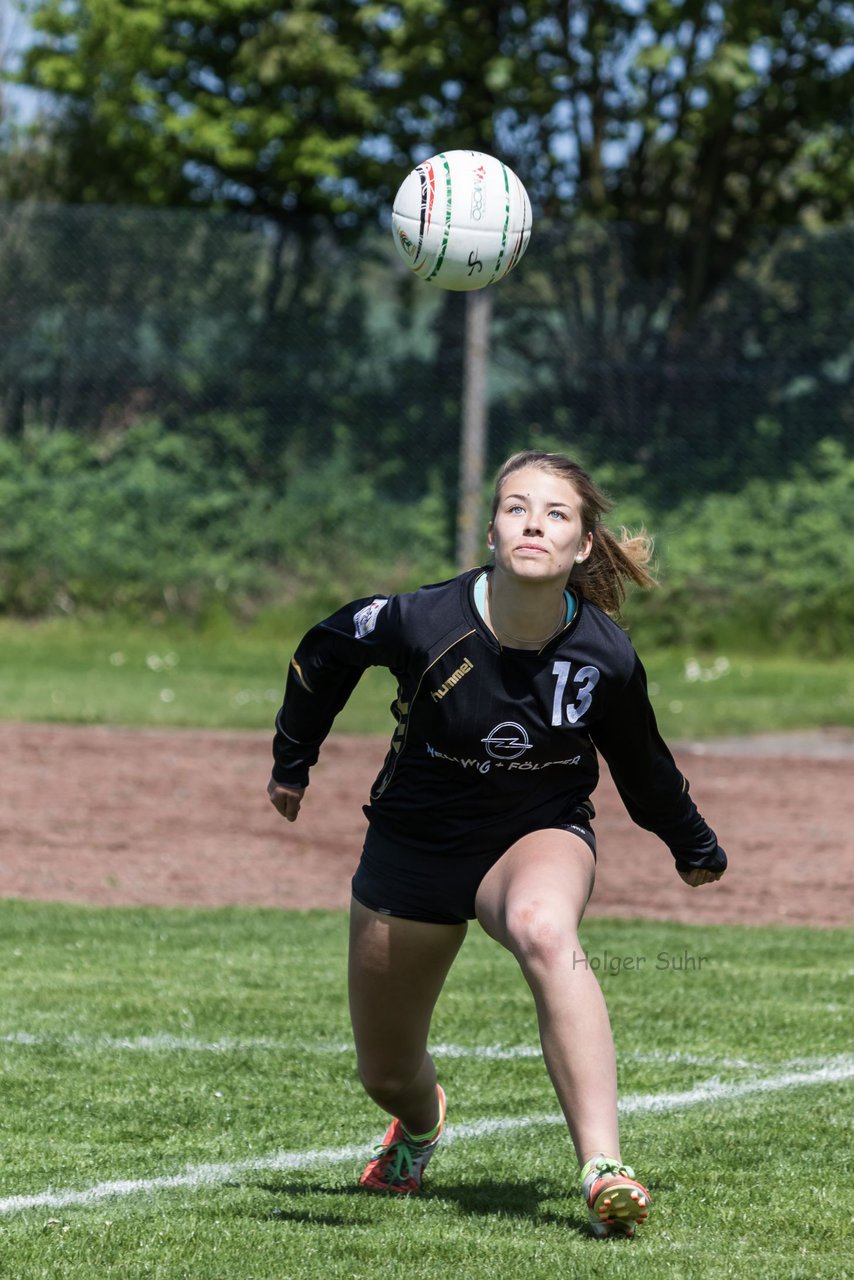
(110, 314)
(267, 353)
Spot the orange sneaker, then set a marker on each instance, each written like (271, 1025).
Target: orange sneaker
(616, 1202)
(399, 1161)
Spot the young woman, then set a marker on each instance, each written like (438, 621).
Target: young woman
(511, 678)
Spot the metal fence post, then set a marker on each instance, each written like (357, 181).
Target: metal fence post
(473, 439)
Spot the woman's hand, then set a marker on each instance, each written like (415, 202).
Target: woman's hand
(699, 876)
(286, 799)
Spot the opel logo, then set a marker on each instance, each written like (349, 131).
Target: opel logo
(507, 741)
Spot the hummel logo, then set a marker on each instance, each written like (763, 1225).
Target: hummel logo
(465, 667)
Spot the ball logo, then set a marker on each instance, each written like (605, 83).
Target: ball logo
(406, 244)
(477, 193)
(507, 741)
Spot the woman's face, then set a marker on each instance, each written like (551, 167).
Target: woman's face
(537, 533)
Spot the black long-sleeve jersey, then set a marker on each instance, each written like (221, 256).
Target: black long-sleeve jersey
(490, 743)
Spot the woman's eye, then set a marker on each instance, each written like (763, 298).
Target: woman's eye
(559, 514)
(516, 507)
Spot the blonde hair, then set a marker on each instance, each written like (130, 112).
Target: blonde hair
(613, 561)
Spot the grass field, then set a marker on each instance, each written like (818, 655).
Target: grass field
(180, 1102)
(113, 673)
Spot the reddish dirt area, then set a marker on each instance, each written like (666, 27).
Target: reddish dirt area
(120, 816)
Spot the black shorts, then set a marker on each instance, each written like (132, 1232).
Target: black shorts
(397, 880)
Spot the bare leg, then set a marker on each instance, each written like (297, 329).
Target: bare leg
(397, 970)
(532, 902)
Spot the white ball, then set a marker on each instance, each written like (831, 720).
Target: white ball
(461, 220)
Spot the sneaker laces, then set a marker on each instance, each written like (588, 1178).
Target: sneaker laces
(398, 1159)
(613, 1166)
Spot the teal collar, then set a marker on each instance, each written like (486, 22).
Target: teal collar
(480, 599)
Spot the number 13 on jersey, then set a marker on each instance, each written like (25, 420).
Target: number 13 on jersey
(586, 679)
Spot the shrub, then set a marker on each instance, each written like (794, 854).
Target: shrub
(155, 519)
(770, 565)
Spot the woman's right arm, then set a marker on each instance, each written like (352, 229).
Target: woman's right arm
(323, 673)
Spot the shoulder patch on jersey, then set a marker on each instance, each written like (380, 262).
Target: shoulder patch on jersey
(366, 619)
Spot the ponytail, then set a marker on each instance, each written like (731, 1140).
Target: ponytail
(613, 562)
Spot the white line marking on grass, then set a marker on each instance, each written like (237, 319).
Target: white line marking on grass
(700, 1060)
(834, 1070)
(194, 1176)
(515, 1051)
(491, 1052)
(837, 1069)
(162, 1042)
(165, 1042)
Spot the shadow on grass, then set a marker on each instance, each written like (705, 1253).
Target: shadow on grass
(511, 1200)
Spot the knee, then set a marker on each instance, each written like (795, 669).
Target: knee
(386, 1079)
(539, 936)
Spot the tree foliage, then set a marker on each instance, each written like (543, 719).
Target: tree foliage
(698, 122)
(671, 311)
(594, 353)
(243, 103)
(695, 118)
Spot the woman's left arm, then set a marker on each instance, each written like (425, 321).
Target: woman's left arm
(655, 793)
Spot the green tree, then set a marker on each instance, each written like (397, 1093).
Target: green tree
(704, 125)
(696, 119)
(245, 103)
(730, 117)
